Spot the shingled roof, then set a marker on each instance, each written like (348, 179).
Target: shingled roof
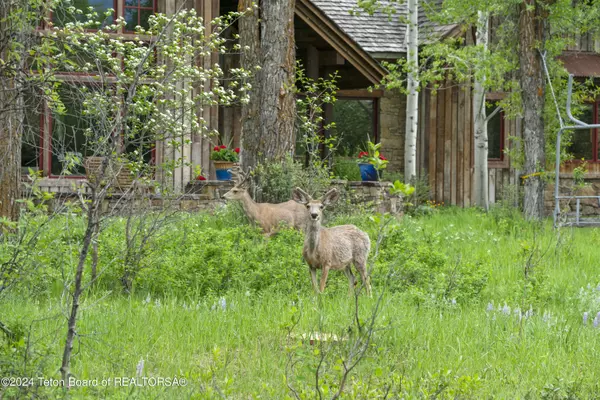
(379, 34)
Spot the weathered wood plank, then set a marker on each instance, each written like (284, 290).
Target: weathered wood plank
(447, 144)
(439, 171)
(492, 185)
(432, 133)
(454, 150)
(468, 145)
(460, 154)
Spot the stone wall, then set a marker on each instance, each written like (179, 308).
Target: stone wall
(392, 119)
(208, 196)
(588, 207)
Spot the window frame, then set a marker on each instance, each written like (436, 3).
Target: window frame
(595, 135)
(375, 123)
(502, 162)
(44, 161)
(124, 7)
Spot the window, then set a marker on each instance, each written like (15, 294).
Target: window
(355, 124)
(71, 133)
(584, 142)
(57, 142)
(137, 12)
(62, 16)
(495, 128)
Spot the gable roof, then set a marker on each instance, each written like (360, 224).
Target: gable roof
(379, 34)
(344, 44)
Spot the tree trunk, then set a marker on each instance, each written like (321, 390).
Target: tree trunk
(250, 58)
(412, 101)
(480, 178)
(268, 120)
(65, 368)
(10, 126)
(532, 38)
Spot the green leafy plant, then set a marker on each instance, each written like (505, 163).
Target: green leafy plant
(373, 156)
(222, 153)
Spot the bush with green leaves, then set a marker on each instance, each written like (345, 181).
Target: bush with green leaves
(274, 182)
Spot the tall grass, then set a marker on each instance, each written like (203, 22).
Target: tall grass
(520, 335)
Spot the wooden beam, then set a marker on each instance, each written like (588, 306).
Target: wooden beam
(331, 33)
(359, 93)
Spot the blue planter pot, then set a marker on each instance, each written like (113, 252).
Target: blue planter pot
(223, 174)
(223, 170)
(368, 172)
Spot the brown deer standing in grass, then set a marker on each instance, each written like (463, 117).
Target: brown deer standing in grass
(334, 248)
(268, 216)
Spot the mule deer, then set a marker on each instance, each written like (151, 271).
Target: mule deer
(332, 248)
(268, 216)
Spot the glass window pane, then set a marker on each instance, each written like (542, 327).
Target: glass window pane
(70, 142)
(61, 15)
(131, 3)
(144, 15)
(354, 125)
(495, 145)
(131, 17)
(581, 140)
(147, 3)
(32, 129)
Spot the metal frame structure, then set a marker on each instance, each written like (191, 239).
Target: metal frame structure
(578, 125)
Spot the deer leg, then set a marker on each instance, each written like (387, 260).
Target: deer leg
(313, 277)
(324, 273)
(351, 280)
(362, 269)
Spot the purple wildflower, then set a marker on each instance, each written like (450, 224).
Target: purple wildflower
(506, 309)
(139, 369)
(585, 317)
(490, 307)
(223, 303)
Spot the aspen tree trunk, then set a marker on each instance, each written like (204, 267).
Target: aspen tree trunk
(531, 79)
(412, 101)
(268, 120)
(480, 178)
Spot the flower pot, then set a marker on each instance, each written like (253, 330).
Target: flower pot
(368, 172)
(223, 170)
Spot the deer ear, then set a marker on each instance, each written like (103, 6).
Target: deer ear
(331, 197)
(300, 196)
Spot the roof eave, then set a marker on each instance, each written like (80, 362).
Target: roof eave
(340, 41)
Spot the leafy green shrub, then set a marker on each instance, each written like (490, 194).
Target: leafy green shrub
(344, 168)
(419, 268)
(274, 182)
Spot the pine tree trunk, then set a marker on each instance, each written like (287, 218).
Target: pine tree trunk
(412, 101)
(270, 137)
(10, 127)
(480, 177)
(531, 36)
(10, 150)
(250, 58)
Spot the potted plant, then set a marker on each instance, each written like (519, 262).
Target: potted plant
(371, 162)
(224, 159)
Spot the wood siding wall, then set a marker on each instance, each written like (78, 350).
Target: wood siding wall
(446, 147)
(195, 149)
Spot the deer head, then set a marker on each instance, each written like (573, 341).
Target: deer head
(315, 207)
(240, 184)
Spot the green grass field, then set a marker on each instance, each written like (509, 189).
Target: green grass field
(470, 306)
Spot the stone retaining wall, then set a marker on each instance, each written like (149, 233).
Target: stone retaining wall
(208, 195)
(588, 207)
